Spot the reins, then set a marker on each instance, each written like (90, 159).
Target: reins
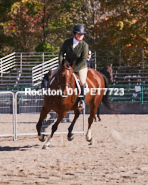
(59, 84)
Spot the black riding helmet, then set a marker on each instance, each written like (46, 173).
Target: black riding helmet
(79, 28)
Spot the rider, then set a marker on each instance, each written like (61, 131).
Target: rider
(89, 60)
(76, 49)
(46, 79)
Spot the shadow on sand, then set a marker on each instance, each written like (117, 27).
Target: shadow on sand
(24, 148)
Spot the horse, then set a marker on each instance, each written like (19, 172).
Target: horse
(107, 71)
(64, 79)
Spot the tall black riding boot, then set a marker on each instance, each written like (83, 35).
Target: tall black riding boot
(81, 104)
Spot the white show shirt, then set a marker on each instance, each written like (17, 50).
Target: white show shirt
(75, 42)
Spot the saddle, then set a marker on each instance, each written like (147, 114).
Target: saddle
(78, 83)
(77, 80)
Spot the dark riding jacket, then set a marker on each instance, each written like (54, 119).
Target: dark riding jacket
(90, 63)
(45, 81)
(78, 54)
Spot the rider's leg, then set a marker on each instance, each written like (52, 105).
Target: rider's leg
(53, 74)
(82, 76)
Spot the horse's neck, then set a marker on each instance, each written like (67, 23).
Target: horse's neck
(103, 72)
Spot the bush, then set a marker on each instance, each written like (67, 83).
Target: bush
(45, 47)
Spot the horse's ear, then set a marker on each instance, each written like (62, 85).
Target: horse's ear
(50, 72)
(73, 64)
(63, 61)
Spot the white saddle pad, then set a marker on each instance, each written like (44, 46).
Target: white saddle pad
(78, 84)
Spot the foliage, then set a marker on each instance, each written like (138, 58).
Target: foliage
(124, 26)
(45, 47)
(5, 8)
(60, 18)
(25, 24)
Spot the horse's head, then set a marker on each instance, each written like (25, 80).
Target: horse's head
(108, 72)
(65, 75)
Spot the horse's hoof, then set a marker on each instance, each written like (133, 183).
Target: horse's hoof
(41, 138)
(70, 137)
(89, 140)
(46, 147)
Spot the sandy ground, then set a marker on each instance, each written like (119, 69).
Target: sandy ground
(118, 154)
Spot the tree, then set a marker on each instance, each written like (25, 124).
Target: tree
(62, 15)
(125, 24)
(25, 24)
(5, 8)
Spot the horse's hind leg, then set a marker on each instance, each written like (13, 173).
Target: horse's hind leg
(70, 136)
(43, 115)
(54, 128)
(98, 113)
(93, 109)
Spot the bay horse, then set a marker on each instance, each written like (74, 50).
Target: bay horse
(63, 79)
(107, 71)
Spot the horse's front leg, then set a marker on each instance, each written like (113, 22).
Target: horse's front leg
(70, 136)
(43, 115)
(88, 134)
(54, 128)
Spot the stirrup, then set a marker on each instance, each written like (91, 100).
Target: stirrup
(81, 104)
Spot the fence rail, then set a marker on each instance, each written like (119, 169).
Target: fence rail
(3, 104)
(6, 63)
(31, 105)
(28, 68)
(133, 93)
(25, 110)
(39, 70)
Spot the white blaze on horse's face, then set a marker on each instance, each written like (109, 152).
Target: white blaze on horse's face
(67, 72)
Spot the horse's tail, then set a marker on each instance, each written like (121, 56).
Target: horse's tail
(105, 99)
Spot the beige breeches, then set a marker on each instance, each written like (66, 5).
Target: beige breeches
(82, 74)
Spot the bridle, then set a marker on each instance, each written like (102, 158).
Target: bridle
(59, 75)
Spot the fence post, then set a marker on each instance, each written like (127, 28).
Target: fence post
(142, 94)
(84, 120)
(21, 62)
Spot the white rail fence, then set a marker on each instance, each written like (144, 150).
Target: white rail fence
(27, 68)
(7, 123)
(39, 70)
(21, 121)
(26, 60)
(6, 63)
